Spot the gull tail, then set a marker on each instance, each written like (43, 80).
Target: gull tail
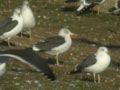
(73, 72)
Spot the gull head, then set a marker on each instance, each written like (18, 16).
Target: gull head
(103, 49)
(26, 2)
(66, 32)
(17, 11)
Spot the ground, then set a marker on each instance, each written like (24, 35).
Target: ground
(93, 31)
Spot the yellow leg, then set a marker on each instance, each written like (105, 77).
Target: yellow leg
(30, 34)
(98, 78)
(94, 77)
(98, 10)
(57, 61)
(8, 40)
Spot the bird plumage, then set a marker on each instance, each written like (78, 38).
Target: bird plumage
(55, 45)
(12, 26)
(95, 63)
(116, 9)
(28, 18)
(89, 3)
(29, 57)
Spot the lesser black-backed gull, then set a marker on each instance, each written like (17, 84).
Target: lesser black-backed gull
(86, 3)
(11, 26)
(57, 44)
(29, 57)
(95, 63)
(28, 18)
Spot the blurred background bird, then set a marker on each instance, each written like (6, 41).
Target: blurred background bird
(28, 18)
(116, 9)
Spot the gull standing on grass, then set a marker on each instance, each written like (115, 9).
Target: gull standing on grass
(95, 63)
(116, 9)
(57, 44)
(28, 18)
(87, 3)
(11, 26)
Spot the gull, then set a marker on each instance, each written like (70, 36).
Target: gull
(28, 18)
(116, 8)
(11, 26)
(95, 63)
(28, 57)
(57, 44)
(87, 3)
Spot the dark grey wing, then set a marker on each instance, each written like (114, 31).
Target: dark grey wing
(89, 1)
(50, 43)
(33, 59)
(69, 1)
(5, 21)
(3, 59)
(90, 60)
(7, 27)
(118, 4)
(93, 1)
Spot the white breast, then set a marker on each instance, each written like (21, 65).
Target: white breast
(28, 17)
(103, 61)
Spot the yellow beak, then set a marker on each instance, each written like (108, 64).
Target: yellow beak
(73, 35)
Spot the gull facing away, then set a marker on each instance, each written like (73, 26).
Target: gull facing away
(28, 57)
(11, 26)
(116, 8)
(57, 44)
(28, 18)
(95, 63)
(87, 3)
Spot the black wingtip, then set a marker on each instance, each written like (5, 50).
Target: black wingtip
(71, 72)
(112, 9)
(33, 59)
(51, 77)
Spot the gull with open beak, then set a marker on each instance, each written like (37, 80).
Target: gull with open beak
(57, 44)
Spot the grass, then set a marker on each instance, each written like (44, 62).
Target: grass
(93, 30)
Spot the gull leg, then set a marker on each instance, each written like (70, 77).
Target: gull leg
(94, 77)
(98, 78)
(21, 35)
(8, 41)
(30, 34)
(98, 10)
(57, 61)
